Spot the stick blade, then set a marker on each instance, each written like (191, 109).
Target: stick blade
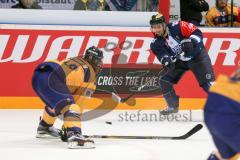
(116, 98)
(190, 133)
(123, 100)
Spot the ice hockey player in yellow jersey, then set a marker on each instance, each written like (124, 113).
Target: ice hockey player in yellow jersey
(220, 15)
(222, 116)
(55, 82)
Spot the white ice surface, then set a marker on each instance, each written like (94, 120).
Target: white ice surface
(18, 142)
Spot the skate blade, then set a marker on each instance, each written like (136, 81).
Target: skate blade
(46, 136)
(87, 145)
(168, 113)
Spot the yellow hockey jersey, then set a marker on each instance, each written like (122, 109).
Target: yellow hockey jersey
(226, 87)
(222, 19)
(80, 76)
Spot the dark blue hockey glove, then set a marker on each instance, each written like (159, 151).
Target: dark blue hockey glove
(236, 76)
(167, 62)
(187, 47)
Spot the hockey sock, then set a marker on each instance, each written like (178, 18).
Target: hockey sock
(48, 118)
(72, 117)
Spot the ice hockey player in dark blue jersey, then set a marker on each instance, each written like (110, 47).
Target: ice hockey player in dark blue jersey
(179, 47)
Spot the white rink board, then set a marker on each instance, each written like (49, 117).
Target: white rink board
(71, 17)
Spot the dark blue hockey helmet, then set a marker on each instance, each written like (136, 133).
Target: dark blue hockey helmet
(94, 56)
(157, 18)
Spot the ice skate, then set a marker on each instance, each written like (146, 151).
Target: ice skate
(48, 132)
(77, 141)
(169, 110)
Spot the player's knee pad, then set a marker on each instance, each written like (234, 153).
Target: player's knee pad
(71, 107)
(63, 104)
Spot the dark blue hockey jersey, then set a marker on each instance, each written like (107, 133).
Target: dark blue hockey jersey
(122, 5)
(171, 46)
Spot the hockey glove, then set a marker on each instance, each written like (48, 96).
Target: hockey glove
(236, 76)
(187, 47)
(167, 62)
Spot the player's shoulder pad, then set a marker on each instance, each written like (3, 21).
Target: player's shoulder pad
(186, 25)
(174, 27)
(173, 23)
(187, 28)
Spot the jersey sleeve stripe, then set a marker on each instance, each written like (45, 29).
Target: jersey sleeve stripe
(196, 38)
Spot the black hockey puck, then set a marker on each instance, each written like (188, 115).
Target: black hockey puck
(108, 122)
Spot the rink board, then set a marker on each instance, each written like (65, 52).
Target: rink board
(23, 47)
(141, 103)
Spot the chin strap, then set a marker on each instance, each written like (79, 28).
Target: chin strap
(165, 33)
(164, 25)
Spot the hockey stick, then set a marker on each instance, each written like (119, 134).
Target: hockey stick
(194, 130)
(115, 97)
(123, 100)
(118, 99)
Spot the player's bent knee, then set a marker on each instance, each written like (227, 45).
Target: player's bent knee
(63, 104)
(72, 107)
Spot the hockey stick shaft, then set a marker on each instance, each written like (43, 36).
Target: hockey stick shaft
(123, 100)
(194, 130)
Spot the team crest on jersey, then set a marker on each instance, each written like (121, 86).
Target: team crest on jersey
(174, 45)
